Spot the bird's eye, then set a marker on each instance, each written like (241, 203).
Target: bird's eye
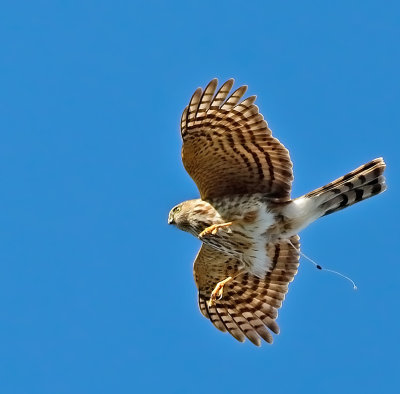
(177, 209)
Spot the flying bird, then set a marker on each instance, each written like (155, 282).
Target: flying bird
(245, 217)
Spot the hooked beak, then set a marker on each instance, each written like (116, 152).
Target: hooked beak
(171, 220)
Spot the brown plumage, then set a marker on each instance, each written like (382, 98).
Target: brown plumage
(245, 218)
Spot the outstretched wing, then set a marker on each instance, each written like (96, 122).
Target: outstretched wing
(249, 305)
(228, 147)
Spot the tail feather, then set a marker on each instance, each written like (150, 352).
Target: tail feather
(358, 185)
(350, 197)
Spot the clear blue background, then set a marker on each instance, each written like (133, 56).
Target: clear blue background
(96, 291)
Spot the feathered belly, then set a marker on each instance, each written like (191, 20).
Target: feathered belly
(246, 241)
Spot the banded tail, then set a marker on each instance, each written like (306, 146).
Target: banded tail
(362, 183)
(358, 185)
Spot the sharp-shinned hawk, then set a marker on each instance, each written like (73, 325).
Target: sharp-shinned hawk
(245, 217)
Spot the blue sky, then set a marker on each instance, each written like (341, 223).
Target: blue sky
(96, 291)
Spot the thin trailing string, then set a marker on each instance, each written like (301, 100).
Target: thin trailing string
(324, 269)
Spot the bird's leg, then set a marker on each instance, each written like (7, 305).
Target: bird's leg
(217, 292)
(219, 288)
(213, 229)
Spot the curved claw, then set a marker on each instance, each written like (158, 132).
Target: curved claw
(218, 291)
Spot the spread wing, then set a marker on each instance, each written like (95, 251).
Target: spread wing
(228, 147)
(249, 305)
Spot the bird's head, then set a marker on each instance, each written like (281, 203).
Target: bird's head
(177, 215)
(189, 216)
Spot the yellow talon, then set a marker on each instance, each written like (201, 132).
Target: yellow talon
(214, 229)
(217, 292)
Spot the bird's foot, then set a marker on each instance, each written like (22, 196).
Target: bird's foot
(214, 229)
(217, 292)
